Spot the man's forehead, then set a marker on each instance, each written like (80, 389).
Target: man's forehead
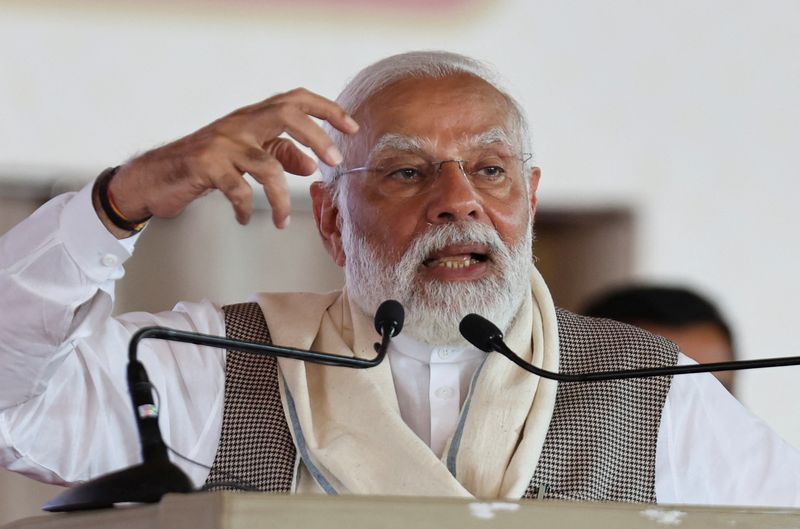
(438, 115)
(453, 97)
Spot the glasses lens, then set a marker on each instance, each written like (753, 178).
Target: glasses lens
(403, 176)
(409, 175)
(493, 171)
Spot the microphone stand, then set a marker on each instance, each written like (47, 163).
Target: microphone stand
(148, 481)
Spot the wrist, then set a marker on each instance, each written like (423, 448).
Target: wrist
(127, 189)
(113, 215)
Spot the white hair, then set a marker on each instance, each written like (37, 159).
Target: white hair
(434, 309)
(416, 64)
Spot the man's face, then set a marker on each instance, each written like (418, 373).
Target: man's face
(448, 118)
(447, 242)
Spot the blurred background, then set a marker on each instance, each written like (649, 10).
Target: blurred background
(667, 133)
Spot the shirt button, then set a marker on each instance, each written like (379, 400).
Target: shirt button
(109, 260)
(444, 354)
(445, 392)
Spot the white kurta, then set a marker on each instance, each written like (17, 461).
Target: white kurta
(65, 414)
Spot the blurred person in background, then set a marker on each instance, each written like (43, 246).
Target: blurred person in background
(678, 314)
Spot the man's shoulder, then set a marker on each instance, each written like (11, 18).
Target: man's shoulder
(600, 343)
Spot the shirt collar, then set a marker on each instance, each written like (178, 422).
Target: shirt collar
(405, 345)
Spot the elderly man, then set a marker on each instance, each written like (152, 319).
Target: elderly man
(427, 198)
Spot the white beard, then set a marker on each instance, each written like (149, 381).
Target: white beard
(435, 308)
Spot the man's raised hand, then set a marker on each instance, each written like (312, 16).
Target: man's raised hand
(163, 181)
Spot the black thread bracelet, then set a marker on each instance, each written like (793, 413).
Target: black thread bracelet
(109, 208)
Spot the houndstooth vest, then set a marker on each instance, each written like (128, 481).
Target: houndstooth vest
(600, 446)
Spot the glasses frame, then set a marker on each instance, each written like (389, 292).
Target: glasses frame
(524, 158)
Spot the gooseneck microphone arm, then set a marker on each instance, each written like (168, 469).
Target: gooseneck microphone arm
(484, 335)
(144, 407)
(388, 323)
(157, 475)
(174, 335)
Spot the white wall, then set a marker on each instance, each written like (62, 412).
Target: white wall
(685, 110)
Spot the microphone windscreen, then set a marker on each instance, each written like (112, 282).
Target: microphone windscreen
(390, 315)
(480, 332)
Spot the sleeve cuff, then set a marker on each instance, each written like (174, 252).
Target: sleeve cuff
(96, 251)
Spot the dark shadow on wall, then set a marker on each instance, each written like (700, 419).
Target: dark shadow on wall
(581, 252)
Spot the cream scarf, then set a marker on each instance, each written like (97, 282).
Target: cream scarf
(347, 426)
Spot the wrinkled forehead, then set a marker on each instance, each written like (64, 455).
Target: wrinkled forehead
(436, 115)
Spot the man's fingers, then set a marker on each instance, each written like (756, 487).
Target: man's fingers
(320, 107)
(239, 194)
(303, 129)
(277, 190)
(269, 172)
(246, 141)
(268, 168)
(291, 157)
(290, 113)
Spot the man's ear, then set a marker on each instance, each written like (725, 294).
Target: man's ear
(536, 173)
(326, 215)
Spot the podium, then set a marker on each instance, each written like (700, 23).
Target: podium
(231, 510)
(234, 510)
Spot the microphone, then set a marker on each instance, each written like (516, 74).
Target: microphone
(485, 335)
(480, 332)
(148, 481)
(389, 318)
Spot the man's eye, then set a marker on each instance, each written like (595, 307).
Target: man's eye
(406, 174)
(491, 172)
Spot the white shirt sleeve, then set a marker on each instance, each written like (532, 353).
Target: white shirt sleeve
(711, 450)
(65, 414)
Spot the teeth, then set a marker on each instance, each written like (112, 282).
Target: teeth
(457, 263)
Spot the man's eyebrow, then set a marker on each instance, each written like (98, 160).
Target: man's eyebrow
(400, 142)
(490, 137)
(419, 145)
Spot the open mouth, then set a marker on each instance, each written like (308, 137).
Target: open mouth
(457, 257)
(456, 261)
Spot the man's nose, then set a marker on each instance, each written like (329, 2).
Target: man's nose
(453, 197)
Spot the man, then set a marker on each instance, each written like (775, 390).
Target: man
(427, 198)
(678, 314)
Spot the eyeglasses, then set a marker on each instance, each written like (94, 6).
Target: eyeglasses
(410, 174)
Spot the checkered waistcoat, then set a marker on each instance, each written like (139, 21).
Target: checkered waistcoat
(600, 446)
